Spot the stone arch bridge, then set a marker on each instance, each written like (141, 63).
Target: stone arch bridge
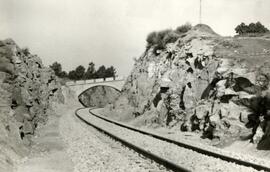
(80, 86)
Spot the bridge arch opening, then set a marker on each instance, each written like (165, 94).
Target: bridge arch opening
(99, 96)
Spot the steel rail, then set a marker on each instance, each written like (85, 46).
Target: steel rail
(187, 146)
(166, 163)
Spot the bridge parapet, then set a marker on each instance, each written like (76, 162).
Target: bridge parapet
(92, 81)
(89, 81)
(82, 85)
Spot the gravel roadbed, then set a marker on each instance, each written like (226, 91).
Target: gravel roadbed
(93, 151)
(240, 156)
(181, 156)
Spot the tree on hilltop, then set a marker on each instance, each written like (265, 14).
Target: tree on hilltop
(241, 28)
(72, 75)
(57, 68)
(252, 28)
(183, 28)
(110, 72)
(101, 72)
(80, 71)
(90, 73)
(63, 74)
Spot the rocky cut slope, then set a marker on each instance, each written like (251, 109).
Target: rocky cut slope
(27, 90)
(201, 82)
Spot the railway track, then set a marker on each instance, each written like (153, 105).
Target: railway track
(168, 164)
(181, 144)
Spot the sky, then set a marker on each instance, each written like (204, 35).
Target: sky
(113, 32)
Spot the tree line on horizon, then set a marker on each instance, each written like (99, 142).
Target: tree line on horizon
(81, 73)
(252, 28)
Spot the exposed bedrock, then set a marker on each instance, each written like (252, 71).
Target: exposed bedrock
(27, 91)
(200, 83)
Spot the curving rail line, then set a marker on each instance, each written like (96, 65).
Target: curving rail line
(168, 164)
(184, 145)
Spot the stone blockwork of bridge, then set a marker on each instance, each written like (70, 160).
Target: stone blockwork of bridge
(82, 85)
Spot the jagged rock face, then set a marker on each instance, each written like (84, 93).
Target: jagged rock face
(99, 96)
(27, 90)
(202, 82)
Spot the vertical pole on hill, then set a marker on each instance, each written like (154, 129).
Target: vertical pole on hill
(200, 19)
